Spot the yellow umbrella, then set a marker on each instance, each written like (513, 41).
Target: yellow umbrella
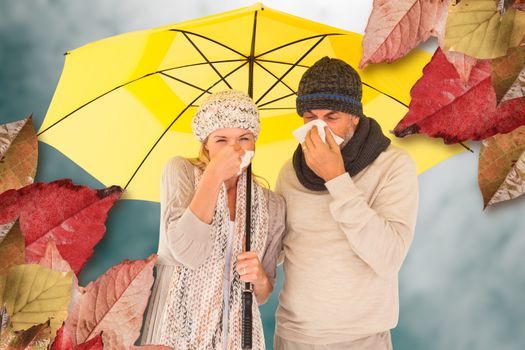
(124, 104)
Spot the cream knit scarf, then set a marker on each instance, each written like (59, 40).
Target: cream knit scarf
(194, 306)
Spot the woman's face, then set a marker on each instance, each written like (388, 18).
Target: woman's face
(229, 136)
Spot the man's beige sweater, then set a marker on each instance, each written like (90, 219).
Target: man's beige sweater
(343, 249)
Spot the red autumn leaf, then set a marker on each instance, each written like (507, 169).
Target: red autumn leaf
(114, 305)
(463, 63)
(519, 5)
(396, 27)
(92, 344)
(18, 154)
(511, 114)
(443, 106)
(62, 340)
(53, 260)
(512, 105)
(73, 216)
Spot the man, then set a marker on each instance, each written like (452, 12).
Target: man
(351, 213)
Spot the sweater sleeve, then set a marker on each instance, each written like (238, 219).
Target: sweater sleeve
(188, 238)
(379, 233)
(274, 247)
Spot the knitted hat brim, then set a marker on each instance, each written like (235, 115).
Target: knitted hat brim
(307, 104)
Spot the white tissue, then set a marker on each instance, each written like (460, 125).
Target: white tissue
(245, 160)
(300, 133)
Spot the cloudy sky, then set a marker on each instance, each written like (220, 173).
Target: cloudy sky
(462, 284)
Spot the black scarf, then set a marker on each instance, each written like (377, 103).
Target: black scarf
(364, 147)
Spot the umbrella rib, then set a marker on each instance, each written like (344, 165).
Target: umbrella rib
(294, 92)
(275, 76)
(206, 59)
(279, 62)
(184, 82)
(275, 108)
(277, 99)
(198, 64)
(93, 100)
(370, 86)
(175, 119)
(251, 58)
(127, 83)
(303, 66)
(162, 72)
(384, 93)
(290, 69)
(209, 39)
(297, 41)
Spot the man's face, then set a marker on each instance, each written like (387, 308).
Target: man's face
(342, 124)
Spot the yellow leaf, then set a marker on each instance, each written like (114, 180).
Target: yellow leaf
(476, 28)
(33, 294)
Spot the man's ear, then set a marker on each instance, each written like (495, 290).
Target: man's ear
(355, 120)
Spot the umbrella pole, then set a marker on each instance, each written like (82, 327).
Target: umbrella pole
(247, 295)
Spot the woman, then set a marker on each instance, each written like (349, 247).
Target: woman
(201, 269)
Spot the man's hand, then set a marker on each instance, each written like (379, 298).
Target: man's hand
(324, 159)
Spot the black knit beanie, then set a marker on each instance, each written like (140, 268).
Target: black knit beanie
(330, 84)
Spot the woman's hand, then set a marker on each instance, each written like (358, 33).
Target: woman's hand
(250, 269)
(222, 167)
(226, 163)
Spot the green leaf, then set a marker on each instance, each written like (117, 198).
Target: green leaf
(476, 28)
(33, 294)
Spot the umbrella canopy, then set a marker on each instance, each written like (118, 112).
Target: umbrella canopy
(124, 104)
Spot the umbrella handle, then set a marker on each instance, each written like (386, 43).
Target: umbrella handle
(247, 295)
(247, 300)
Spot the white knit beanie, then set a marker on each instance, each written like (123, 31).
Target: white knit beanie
(226, 109)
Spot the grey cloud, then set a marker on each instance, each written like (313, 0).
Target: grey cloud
(462, 283)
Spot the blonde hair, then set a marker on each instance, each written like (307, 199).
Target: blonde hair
(203, 159)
